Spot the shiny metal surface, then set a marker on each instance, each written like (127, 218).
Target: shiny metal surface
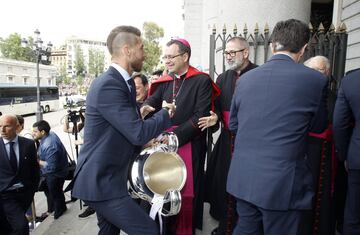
(159, 170)
(163, 171)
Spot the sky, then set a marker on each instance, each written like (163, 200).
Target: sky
(90, 19)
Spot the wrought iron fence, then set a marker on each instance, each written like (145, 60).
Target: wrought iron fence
(332, 44)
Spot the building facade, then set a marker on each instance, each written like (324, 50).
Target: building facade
(25, 73)
(85, 46)
(202, 16)
(58, 58)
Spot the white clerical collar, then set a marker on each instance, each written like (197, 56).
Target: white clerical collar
(179, 76)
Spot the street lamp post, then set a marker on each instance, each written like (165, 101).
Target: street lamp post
(42, 55)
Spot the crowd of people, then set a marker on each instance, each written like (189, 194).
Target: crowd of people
(270, 171)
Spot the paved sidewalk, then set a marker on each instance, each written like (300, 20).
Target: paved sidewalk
(70, 224)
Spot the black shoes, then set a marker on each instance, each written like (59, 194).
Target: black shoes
(58, 214)
(89, 211)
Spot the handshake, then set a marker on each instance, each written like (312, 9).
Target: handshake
(170, 107)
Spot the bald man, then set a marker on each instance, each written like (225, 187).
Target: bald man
(319, 63)
(19, 177)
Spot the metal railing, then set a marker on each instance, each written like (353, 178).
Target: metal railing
(332, 44)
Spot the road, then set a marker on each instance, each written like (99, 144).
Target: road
(73, 225)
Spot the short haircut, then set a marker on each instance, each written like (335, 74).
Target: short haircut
(20, 119)
(144, 79)
(121, 35)
(42, 126)
(290, 35)
(242, 41)
(182, 47)
(158, 72)
(322, 58)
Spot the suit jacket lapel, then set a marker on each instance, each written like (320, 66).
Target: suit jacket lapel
(132, 94)
(21, 152)
(122, 81)
(4, 159)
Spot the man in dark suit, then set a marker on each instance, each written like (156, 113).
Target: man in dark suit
(347, 141)
(113, 134)
(273, 109)
(19, 177)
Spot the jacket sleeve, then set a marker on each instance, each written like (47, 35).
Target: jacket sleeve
(116, 107)
(342, 124)
(320, 120)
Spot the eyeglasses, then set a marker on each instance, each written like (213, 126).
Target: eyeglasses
(171, 57)
(232, 53)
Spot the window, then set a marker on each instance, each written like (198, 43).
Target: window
(10, 79)
(26, 80)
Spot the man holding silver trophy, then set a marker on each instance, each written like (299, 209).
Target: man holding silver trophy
(114, 133)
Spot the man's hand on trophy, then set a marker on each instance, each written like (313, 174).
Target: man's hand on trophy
(206, 122)
(170, 107)
(149, 144)
(163, 138)
(145, 110)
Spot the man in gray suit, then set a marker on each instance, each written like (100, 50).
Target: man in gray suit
(114, 133)
(273, 109)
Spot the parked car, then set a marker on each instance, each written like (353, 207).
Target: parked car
(74, 102)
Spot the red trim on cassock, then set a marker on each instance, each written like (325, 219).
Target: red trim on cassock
(327, 137)
(190, 73)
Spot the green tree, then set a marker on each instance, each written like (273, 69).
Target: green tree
(79, 63)
(96, 62)
(79, 80)
(152, 34)
(67, 80)
(61, 75)
(11, 48)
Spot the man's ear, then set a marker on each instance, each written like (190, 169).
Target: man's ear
(246, 53)
(186, 58)
(125, 50)
(302, 51)
(272, 48)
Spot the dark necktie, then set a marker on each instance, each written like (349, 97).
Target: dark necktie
(132, 87)
(133, 94)
(13, 160)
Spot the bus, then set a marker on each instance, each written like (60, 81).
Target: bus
(22, 99)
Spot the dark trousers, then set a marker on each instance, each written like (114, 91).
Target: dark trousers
(13, 206)
(352, 205)
(254, 220)
(122, 213)
(55, 195)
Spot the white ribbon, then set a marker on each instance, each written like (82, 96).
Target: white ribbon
(157, 205)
